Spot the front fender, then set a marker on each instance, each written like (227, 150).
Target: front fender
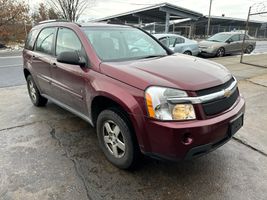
(131, 99)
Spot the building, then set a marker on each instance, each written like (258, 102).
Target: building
(165, 17)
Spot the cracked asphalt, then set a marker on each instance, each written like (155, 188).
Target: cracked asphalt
(48, 153)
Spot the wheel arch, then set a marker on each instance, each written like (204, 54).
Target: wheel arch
(26, 73)
(105, 100)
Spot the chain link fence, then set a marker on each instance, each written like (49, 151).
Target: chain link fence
(257, 11)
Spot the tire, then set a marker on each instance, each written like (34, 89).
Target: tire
(188, 53)
(249, 49)
(34, 93)
(220, 52)
(114, 130)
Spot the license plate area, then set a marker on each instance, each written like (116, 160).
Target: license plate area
(236, 124)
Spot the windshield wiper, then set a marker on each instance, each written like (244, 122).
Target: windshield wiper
(214, 40)
(152, 56)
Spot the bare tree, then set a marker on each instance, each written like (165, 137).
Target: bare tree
(12, 11)
(44, 12)
(13, 20)
(70, 9)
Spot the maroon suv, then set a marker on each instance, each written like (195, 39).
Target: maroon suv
(138, 94)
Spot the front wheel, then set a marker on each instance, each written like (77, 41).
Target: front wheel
(188, 53)
(34, 93)
(220, 52)
(116, 139)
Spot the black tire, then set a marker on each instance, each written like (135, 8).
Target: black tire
(34, 93)
(188, 53)
(220, 52)
(130, 157)
(249, 49)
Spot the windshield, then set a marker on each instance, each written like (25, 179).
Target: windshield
(221, 37)
(122, 43)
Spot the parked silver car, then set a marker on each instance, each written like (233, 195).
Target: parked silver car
(224, 43)
(179, 43)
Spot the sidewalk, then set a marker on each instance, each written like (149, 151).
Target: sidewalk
(253, 86)
(244, 71)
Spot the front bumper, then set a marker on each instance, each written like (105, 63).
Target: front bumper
(166, 139)
(208, 51)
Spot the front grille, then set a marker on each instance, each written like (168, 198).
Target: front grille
(215, 89)
(218, 106)
(215, 107)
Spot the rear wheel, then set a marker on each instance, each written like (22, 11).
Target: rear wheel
(116, 139)
(188, 53)
(220, 52)
(249, 49)
(34, 93)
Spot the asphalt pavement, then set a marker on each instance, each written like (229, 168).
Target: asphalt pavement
(11, 69)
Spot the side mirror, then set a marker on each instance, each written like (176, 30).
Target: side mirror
(71, 57)
(229, 41)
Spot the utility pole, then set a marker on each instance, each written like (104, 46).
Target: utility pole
(208, 29)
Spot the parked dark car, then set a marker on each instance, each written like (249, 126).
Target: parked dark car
(224, 43)
(140, 97)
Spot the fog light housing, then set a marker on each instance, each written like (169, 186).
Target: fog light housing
(183, 112)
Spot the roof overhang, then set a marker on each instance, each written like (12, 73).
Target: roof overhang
(155, 13)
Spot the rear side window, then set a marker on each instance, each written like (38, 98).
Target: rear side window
(45, 40)
(242, 37)
(179, 40)
(31, 39)
(67, 40)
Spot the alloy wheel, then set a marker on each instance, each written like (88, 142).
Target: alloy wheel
(220, 52)
(114, 139)
(32, 91)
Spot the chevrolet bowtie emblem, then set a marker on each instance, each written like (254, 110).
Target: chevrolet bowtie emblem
(227, 93)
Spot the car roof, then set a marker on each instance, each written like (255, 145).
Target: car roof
(91, 24)
(229, 33)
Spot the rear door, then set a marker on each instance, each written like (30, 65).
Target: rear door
(41, 59)
(179, 44)
(68, 84)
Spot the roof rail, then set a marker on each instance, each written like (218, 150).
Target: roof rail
(53, 20)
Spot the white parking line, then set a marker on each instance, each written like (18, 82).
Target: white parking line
(7, 57)
(18, 65)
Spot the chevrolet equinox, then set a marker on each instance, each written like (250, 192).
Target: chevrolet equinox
(141, 97)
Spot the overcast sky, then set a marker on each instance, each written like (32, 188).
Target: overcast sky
(231, 8)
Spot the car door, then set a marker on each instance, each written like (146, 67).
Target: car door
(68, 84)
(41, 59)
(234, 43)
(179, 44)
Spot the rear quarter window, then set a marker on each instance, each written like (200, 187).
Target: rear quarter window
(31, 38)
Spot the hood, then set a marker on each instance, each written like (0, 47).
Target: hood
(206, 43)
(175, 71)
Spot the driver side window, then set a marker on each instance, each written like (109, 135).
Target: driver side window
(67, 40)
(235, 38)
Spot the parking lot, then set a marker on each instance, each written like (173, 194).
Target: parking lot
(48, 153)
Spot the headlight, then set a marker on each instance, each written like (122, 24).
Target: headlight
(159, 108)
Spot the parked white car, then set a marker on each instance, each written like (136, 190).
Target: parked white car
(179, 44)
